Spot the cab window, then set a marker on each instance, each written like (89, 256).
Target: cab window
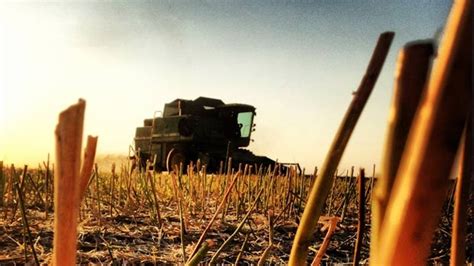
(244, 121)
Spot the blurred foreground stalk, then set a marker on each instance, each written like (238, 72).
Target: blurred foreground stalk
(413, 66)
(66, 183)
(422, 179)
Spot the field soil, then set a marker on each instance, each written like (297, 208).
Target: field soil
(122, 227)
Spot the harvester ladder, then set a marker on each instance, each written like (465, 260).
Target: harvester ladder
(151, 132)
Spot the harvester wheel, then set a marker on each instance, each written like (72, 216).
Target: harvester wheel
(175, 157)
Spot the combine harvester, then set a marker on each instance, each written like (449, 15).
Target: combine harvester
(206, 129)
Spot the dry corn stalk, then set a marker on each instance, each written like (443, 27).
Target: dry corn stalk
(458, 240)
(331, 224)
(2, 183)
(237, 230)
(411, 73)
(242, 249)
(219, 208)
(322, 185)
(86, 171)
(200, 254)
(360, 217)
(25, 225)
(422, 179)
(46, 188)
(266, 252)
(66, 183)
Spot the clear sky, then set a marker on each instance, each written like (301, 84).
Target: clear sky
(297, 62)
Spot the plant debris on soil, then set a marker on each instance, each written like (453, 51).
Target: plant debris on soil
(118, 223)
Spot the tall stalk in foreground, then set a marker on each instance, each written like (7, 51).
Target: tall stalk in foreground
(422, 180)
(66, 184)
(322, 185)
(413, 65)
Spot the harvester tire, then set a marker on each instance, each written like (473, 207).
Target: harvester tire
(175, 157)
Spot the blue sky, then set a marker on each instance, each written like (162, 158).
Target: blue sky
(298, 62)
